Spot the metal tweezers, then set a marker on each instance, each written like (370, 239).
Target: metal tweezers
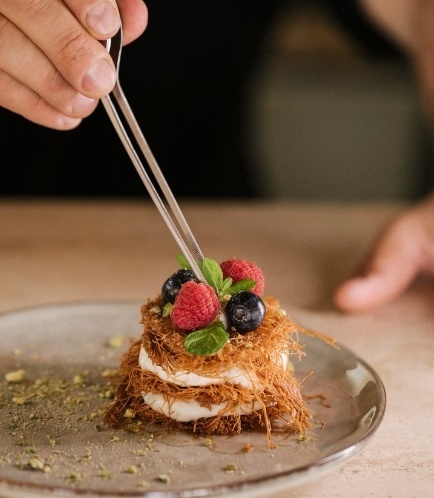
(176, 223)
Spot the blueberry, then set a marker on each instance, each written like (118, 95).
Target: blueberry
(172, 285)
(245, 311)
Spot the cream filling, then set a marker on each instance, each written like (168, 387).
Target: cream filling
(233, 375)
(185, 411)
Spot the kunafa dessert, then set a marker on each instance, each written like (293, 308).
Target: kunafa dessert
(214, 357)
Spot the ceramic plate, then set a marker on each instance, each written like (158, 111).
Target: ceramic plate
(54, 363)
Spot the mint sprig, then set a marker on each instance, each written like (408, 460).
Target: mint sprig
(212, 338)
(241, 285)
(214, 276)
(207, 341)
(182, 261)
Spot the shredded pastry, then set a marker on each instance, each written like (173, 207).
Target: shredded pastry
(274, 401)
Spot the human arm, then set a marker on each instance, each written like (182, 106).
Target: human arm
(411, 24)
(404, 250)
(53, 69)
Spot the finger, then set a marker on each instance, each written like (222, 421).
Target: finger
(394, 263)
(28, 65)
(134, 18)
(29, 105)
(78, 56)
(100, 17)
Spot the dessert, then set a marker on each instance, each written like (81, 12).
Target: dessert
(214, 357)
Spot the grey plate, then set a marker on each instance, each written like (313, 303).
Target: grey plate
(53, 442)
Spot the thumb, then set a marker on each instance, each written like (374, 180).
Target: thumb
(392, 265)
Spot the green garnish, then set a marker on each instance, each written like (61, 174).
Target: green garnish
(167, 309)
(214, 276)
(211, 339)
(207, 341)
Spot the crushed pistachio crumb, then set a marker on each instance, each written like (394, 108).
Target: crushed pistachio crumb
(167, 309)
(230, 468)
(108, 393)
(209, 443)
(75, 476)
(15, 376)
(35, 463)
(302, 437)
(104, 472)
(141, 453)
(110, 372)
(129, 413)
(19, 400)
(132, 469)
(78, 379)
(117, 341)
(163, 478)
(156, 310)
(52, 441)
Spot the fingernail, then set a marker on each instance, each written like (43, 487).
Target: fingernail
(100, 77)
(103, 19)
(67, 123)
(81, 105)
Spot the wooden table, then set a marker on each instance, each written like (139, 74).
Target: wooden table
(69, 251)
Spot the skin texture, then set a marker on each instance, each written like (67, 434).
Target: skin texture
(411, 23)
(403, 250)
(53, 69)
(405, 247)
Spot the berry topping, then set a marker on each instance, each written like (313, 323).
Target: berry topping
(239, 269)
(172, 285)
(245, 311)
(196, 305)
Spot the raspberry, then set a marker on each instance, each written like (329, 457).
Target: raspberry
(239, 269)
(196, 305)
(172, 285)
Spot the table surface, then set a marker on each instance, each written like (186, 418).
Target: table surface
(55, 251)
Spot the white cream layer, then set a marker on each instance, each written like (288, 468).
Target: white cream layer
(186, 411)
(233, 375)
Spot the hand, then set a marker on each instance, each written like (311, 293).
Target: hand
(53, 69)
(411, 24)
(404, 250)
(423, 22)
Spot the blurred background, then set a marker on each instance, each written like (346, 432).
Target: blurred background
(276, 99)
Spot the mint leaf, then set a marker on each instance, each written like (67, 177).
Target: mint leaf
(242, 285)
(227, 284)
(213, 274)
(182, 261)
(207, 341)
(211, 271)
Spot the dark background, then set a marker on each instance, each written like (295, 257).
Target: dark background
(186, 80)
